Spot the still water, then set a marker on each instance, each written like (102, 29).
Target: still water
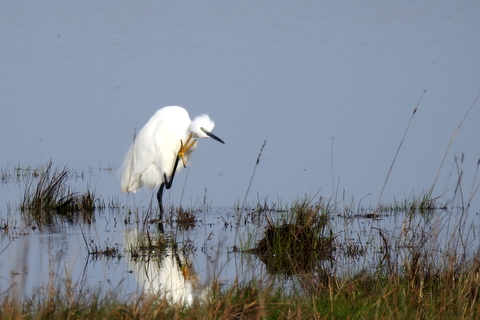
(34, 257)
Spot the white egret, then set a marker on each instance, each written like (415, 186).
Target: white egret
(153, 157)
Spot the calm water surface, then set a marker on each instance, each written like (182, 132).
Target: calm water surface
(33, 257)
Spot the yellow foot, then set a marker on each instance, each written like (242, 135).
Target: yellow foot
(184, 147)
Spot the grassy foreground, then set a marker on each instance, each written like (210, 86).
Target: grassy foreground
(448, 294)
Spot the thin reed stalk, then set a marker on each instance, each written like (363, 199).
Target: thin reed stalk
(398, 150)
(253, 174)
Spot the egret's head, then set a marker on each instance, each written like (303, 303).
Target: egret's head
(202, 126)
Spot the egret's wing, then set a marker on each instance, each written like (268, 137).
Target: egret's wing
(155, 148)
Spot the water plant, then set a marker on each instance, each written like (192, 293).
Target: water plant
(295, 246)
(186, 218)
(95, 251)
(146, 244)
(47, 193)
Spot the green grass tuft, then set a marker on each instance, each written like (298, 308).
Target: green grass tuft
(48, 194)
(295, 246)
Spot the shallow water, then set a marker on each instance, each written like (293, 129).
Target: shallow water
(34, 257)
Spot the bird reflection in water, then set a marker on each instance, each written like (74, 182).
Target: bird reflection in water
(168, 275)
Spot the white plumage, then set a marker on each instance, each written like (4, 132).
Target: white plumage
(156, 151)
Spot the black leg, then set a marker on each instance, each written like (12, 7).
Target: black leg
(159, 198)
(169, 183)
(166, 184)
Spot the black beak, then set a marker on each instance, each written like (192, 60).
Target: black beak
(214, 137)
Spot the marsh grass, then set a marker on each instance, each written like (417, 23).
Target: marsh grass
(18, 173)
(148, 245)
(295, 246)
(449, 291)
(95, 251)
(186, 219)
(422, 204)
(47, 194)
(50, 191)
